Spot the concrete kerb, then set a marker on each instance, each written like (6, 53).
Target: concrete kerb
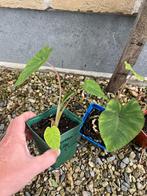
(15, 66)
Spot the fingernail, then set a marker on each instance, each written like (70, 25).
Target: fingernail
(59, 151)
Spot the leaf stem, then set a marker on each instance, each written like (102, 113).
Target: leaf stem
(58, 115)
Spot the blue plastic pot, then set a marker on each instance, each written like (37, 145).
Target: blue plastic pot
(91, 107)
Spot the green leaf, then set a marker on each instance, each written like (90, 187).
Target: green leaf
(52, 137)
(137, 76)
(93, 88)
(66, 99)
(67, 96)
(34, 64)
(119, 124)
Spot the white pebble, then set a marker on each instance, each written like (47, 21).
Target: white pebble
(126, 160)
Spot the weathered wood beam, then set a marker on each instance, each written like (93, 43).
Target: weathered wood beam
(132, 50)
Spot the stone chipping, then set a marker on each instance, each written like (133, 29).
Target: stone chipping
(91, 172)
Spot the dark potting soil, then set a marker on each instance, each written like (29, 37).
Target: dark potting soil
(65, 124)
(145, 124)
(91, 126)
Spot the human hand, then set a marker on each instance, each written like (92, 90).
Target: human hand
(17, 165)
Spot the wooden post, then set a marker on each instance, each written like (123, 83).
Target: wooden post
(131, 51)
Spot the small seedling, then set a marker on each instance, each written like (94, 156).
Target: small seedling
(119, 123)
(51, 134)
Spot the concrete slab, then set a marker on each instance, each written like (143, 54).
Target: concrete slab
(90, 42)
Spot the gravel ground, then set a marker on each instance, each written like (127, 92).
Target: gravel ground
(91, 172)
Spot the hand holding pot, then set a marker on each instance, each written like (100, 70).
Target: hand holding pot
(17, 166)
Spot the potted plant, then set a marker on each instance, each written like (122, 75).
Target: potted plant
(56, 128)
(141, 138)
(115, 126)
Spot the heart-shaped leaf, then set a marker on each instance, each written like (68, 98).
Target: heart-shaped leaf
(52, 137)
(34, 64)
(93, 88)
(119, 124)
(137, 76)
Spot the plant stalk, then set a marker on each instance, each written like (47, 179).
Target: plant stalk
(58, 115)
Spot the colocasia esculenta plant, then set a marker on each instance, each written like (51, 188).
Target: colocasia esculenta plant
(119, 123)
(51, 134)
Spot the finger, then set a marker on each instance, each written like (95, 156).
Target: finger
(28, 134)
(44, 161)
(18, 124)
(26, 116)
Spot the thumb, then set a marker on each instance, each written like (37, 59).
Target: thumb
(44, 161)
